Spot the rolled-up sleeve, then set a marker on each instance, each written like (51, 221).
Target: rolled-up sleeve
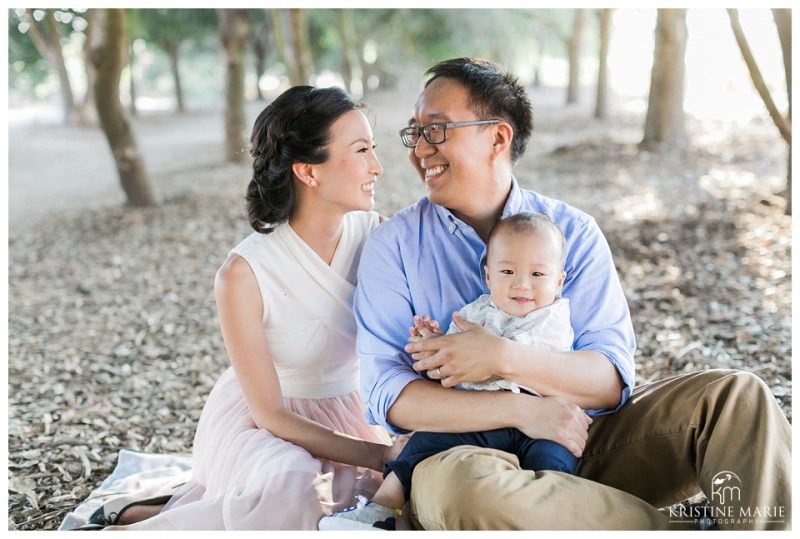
(383, 312)
(600, 317)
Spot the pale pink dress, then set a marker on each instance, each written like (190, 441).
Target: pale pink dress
(243, 476)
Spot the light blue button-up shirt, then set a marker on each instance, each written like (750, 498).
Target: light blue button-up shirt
(425, 260)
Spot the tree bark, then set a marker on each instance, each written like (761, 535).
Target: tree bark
(48, 42)
(665, 121)
(758, 81)
(783, 20)
(87, 114)
(134, 110)
(234, 32)
(302, 49)
(173, 52)
(351, 64)
(108, 52)
(260, 48)
(574, 48)
(601, 101)
(281, 40)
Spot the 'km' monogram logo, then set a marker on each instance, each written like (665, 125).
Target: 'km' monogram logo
(726, 487)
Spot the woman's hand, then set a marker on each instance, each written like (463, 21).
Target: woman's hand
(393, 451)
(467, 356)
(556, 419)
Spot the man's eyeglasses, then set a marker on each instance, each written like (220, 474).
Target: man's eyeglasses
(436, 133)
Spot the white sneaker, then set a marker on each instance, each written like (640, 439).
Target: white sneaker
(366, 515)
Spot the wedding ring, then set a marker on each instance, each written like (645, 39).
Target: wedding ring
(438, 373)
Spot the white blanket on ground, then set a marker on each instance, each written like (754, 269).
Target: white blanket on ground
(143, 475)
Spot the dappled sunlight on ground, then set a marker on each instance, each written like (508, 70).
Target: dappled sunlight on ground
(113, 337)
(638, 206)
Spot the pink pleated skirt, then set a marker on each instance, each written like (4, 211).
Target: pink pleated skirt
(244, 478)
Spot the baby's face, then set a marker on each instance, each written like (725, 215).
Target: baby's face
(523, 271)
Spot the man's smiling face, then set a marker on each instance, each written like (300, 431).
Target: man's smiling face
(458, 170)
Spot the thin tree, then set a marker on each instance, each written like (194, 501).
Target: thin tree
(134, 29)
(134, 110)
(537, 65)
(302, 49)
(555, 22)
(46, 37)
(352, 73)
(665, 120)
(784, 126)
(601, 101)
(783, 20)
(261, 39)
(574, 52)
(86, 109)
(109, 49)
(172, 47)
(234, 31)
(169, 30)
(281, 43)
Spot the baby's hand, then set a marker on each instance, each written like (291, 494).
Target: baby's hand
(425, 327)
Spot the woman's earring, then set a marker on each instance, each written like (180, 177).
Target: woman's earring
(312, 183)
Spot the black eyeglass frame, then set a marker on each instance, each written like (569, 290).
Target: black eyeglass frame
(407, 131)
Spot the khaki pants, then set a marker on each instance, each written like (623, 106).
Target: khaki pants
(718, 431)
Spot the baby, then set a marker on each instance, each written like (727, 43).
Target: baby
(524, 274)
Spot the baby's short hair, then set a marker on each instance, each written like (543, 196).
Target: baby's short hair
(530, 222)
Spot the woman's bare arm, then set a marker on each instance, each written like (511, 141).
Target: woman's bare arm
(240, 312)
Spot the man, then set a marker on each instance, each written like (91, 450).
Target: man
(641, 449)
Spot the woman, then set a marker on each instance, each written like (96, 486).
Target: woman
(282, 439)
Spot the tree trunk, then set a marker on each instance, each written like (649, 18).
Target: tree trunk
(665, 121)
(537, 63)
(758, 80)
(234, 31)
(351, 65)
(281, 40)
(788, 192)
(574, 48)
(132, 83)
(48, 42)
(783, 20)
(108, 51)
(173, 52)
(302, 50)
(784, 126)
(601, 102)
(260, 47)
(87, 114)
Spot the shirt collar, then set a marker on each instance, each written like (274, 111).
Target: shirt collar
(514, 204)
(515, 200)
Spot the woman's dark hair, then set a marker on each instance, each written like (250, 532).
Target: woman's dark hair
(494, 93)
(294, 128)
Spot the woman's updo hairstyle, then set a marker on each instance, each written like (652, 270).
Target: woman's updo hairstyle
(294, 128)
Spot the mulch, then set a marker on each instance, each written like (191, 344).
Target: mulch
(114, 341)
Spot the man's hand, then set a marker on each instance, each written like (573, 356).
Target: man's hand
(556, 419)
(467, 356)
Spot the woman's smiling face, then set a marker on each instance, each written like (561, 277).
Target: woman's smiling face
(347, 178)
